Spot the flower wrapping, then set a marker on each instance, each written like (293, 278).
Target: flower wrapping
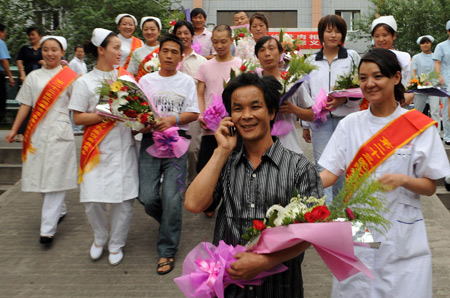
(352, 93)
(215, 113)
(204, 271)
(168, 144)
(430, 91)
(197, 47)
(319, 108)
(332, 240)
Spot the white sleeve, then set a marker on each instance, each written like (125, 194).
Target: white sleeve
(301, 98)
(25, 95)
(133, 66)
(79, 100)
(191, 97)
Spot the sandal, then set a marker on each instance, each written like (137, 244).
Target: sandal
(169, 263)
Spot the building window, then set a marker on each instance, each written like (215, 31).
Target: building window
(276, 18)
(351, 17)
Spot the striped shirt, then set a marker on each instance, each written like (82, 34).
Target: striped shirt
(247, 193)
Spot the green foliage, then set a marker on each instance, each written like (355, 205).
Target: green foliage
(298, 66)
(414, 18)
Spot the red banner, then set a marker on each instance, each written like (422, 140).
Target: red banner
(310, 38)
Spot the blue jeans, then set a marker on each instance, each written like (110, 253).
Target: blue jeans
(320, 137)
(165, 207)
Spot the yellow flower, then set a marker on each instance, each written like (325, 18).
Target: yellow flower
(116, 86)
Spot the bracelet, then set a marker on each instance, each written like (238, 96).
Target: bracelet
(178, 119)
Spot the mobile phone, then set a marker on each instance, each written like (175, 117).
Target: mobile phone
(232, 130)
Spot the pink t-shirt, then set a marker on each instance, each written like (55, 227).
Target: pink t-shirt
(213, 74)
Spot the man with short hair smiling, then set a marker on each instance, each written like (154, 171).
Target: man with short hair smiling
(175, 96)
(249, 181)
(202, 35)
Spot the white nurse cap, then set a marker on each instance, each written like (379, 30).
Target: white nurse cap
(431, 38)
(145, 19)
(99, 35)
(62, 41)
(388, 20)
(447, 26)
(120, 16)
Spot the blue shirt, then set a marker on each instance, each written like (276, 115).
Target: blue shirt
(423, 63)
(4, 54)
(442, 53)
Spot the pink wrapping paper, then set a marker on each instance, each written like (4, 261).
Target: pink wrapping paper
(197, 47)
(215, 113)
(319, 108)
(168, 144)
(353, 93)
(332, 240)
(204, 271)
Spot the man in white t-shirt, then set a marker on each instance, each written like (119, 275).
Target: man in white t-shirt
(174, 95)
(78, 65)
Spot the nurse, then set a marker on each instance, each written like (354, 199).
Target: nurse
(151, 29)
(49, 159)
(407, 162)
(126, 24)
(110, 174)
(384, 33)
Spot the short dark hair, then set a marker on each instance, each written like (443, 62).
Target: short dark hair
(2, 28)
(222, 27)
(182, 23)
(333, 21)
(389, 66)
(76, 47)
(265, 39)
(240, 12)
(174, 39)
(386, 27)
(269, 86)
(152, 20)
(31, 29)
(260, 17)
(90, 48)
(196, 11)
(424, 40)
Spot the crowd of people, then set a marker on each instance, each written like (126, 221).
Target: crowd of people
(240, 168)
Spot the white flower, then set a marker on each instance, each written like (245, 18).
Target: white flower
(287, 37)
(120, 101)
(281, 212)
(295, 207)
(152, 65)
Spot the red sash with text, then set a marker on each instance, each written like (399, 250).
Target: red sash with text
(384, 143)
(45, 101)
(364, 104)
(141, 70)
(135, 44)
(92, 137)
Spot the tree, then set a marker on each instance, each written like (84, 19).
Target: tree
(414, 18)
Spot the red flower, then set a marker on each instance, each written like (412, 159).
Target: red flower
(241, 34)
(130, 114)
(143, 118)
(144, 103)
(298, 47)
(259, 225)
(172, 23)
(124, 88)
(285, 75)
(243, 67)
(350, 213)
(319, 213)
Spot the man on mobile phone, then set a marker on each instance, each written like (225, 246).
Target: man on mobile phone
(249, 181)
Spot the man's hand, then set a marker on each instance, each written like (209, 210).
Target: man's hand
(287, 108)
(307, 135)
(165, 123)
(334, 102)
(202, 121)
(248, 265)
(11, 82)
(222, 135)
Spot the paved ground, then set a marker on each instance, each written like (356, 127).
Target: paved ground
(65, 270)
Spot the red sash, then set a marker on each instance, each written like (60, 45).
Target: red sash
(92, 137)
(364, 104)
(141, 70)
(45, 101)
(384, 143)
(135, 44)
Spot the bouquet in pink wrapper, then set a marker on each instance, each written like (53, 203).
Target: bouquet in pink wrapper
(215, 113)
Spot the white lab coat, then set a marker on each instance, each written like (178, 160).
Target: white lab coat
(402, 265)
(53, 166)
(115, 178)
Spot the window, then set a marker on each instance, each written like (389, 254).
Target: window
(276, 18)
(351, 17)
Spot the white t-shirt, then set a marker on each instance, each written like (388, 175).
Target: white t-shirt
(78, 66)
(171, 95)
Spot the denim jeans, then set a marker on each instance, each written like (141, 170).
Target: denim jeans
(164, 206)
(320, 136)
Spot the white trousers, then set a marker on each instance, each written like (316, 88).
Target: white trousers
(120, 221)
(53, 207)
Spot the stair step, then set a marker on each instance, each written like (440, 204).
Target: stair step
(10, 155)
(4, 188)
(10, 173)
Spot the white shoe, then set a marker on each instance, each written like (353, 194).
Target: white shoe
(115, 259)
(96, 252)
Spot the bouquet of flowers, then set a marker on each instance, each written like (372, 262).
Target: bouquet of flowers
(290, 44)
(239, 32)
(150, 64)
(427, 84)
(124, 100)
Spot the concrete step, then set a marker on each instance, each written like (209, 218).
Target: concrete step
(10, 155)
(4, 188)
(10, 173)
(444, 196)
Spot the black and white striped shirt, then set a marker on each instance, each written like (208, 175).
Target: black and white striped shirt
(247, 193)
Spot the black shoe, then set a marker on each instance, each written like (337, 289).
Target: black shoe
(447, 142)
(46, 241)
(447, 186)
(61, 219)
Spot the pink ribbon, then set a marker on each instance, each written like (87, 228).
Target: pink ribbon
(168, 144)
(210, 267)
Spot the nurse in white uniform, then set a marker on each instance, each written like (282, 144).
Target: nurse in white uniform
(115, 179)
(51, 169)
(126, 24)
(402, 265)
